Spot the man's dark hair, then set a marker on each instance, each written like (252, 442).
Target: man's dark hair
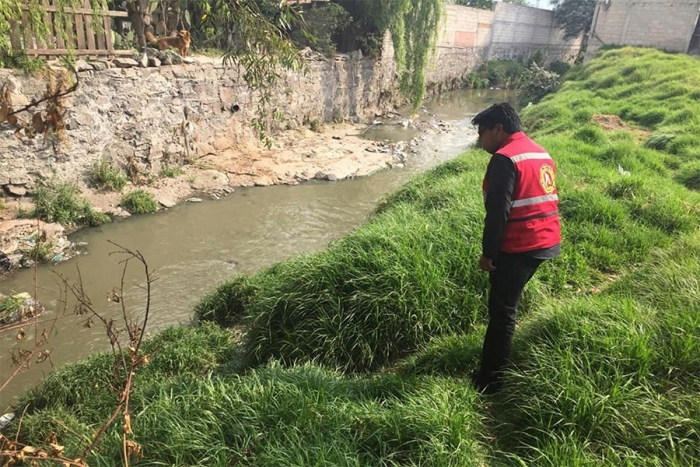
(499, 113)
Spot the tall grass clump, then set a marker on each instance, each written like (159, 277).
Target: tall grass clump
(61, 202)
(139, 202)
(107, 176)
(192, 410)
(689, 175)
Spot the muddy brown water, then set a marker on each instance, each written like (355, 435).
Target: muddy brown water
(194, 247)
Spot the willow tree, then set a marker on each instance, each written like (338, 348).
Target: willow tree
(414, 29)
(255, 41)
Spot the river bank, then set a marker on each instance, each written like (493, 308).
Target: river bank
(331, 152)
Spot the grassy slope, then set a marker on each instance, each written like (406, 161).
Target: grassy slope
(607, 354)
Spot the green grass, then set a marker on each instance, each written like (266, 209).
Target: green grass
(171, 172)
(359, 355)
(61, 202)
(105, 176)
(139, 202)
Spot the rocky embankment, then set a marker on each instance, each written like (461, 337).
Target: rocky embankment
(332, 152)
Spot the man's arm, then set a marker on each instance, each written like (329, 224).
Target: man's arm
(500, 177)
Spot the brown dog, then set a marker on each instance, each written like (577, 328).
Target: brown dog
(181, 41)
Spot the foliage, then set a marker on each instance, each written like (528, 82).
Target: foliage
(61, 202)
(106, 176)
(606, 361)
(559, 67)
(171, 172)
(321, 24)
(139, 202)
(574, 16)
(10, 308)
(315, 125)
(414, 27)
(537, 83)
(36, 26)
(487, 4)
(256, 44)
(498, 73)
(20, 61)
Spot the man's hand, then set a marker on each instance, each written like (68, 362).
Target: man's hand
(486, 264)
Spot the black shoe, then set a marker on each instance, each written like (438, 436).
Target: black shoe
(485, 384)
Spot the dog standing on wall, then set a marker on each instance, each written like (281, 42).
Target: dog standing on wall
(181, 41)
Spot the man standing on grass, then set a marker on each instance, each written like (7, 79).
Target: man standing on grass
(521, 229)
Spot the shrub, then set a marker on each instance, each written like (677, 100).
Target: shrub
(537, 83)
(62, 203)
(560, 68)
(139, 202)
(21, 61)
(315, 125)
(106, 176)
(501, 73)
(171, 172)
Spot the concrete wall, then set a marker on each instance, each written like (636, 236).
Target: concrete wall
(509, 32)
(663, 24)
(462, 43)
(519, 32)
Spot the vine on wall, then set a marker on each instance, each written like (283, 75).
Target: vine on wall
(414, 28)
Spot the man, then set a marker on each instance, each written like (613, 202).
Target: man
(521, 229)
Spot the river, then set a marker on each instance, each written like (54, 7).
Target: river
(193, 247)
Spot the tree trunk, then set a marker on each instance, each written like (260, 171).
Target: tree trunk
(139, 17)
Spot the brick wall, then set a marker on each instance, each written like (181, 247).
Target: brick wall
(663, 24)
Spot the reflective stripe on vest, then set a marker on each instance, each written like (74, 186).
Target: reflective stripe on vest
(534, 200)
(529, 156)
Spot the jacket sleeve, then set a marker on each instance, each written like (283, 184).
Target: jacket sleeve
(501, 177)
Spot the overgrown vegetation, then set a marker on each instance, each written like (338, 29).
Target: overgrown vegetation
(323, 23)
(171, 172)
(606, 368)
(106, 175)
(61, 202)
(574, 16)
(20, 61)
(414, 27)
(139, 202)
(531, 78)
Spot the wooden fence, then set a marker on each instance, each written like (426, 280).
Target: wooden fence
(81, 38)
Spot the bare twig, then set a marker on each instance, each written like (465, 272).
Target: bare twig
(35, 103)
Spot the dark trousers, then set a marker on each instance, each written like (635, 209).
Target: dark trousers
(512, 273)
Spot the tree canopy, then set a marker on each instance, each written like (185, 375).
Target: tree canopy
(574, 16)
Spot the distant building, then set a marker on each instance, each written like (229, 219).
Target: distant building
(670, 25)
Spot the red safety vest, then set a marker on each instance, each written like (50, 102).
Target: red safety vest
(533, 221)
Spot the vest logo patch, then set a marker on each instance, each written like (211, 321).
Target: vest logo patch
(547, 179)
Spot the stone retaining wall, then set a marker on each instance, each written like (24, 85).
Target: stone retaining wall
(152, 116)
(142, 115)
